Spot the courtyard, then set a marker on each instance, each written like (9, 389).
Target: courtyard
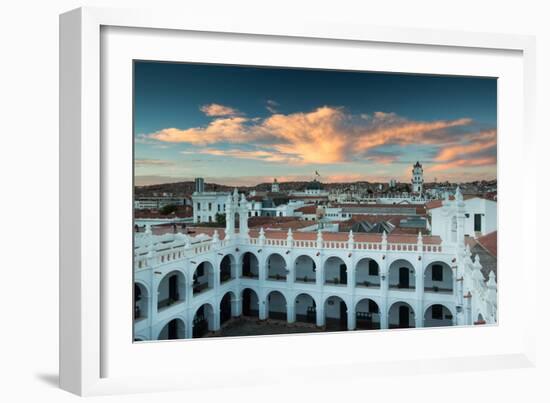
(252, 327)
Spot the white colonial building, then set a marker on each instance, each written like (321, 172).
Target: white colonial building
(207, 204)
(188, 286)
(480, 217)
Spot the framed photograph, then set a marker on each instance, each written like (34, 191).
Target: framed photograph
(289, 197)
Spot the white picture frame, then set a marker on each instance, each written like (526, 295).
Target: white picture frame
(91, 361)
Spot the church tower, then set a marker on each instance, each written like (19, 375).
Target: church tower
(275, 186)
(417, 178)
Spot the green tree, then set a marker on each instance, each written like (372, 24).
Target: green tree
(220, 219)
(168, 209)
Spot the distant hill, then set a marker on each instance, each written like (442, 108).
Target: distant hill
(188, 187)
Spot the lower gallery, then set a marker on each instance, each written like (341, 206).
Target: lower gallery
(236, 281)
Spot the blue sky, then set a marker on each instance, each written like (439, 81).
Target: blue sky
(242, 125)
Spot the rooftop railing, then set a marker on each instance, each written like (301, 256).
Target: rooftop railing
(161, 249)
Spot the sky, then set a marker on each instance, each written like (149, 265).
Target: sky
(242, 125)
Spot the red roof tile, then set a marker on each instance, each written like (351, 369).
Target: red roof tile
(489, 242)
(308, 209)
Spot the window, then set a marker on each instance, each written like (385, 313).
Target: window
(477, 222)
(437, 272)
(219, 208)
(437, 312)
(200, 270)
(209, 206)
(198, 206)
(373, 268)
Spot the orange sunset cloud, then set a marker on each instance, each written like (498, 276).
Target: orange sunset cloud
(329, 135)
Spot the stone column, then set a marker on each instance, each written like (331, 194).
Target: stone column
(291, 311)
(262, 271)
(216, 325)
(320, 311)
(384, 289)
(262, 309)
(419, 285)
(290, 274)
(189, 325)
(236, 307)
(319, 272)
(351, 317)
(350, 266)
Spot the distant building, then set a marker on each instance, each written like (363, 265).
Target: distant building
(207, 204)
(275, 186)
(199, 185)
(313, 188)
(158, 202)
(393, 183)
(417, 178)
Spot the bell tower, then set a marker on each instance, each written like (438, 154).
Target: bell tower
(417, 178)
(275, 186)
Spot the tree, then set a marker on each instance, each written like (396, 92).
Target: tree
(220, 219)
(168, 209)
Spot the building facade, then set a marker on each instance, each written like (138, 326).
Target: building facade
(206, 205)
(480, 217)
(187, 286)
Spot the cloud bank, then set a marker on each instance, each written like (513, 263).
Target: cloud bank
(330, 135)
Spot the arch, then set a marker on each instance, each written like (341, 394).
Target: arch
(305, 308)
(401, 315)
(141, 300)
(228, 268)
(250, 303)
(336, 314)
(203, 320)
(305, 269)
(367, 273)
(480, 319)
(401, 275)
(438, 277)
(276, 305)
(335, 271)
(276, 267)
(174, 329)
(228, 307)
(250, 265)
(203, 277)
(367, 314)
(436, 315)
(171, 289)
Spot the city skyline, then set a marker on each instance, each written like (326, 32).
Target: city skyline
(242, 126)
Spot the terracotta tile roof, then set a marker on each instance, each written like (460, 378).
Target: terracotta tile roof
(294, 197)
(328, 236)
(419, 208)
(264, 221)
(307, 209)
(489, 242)
(181, 212)
(309, 235)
